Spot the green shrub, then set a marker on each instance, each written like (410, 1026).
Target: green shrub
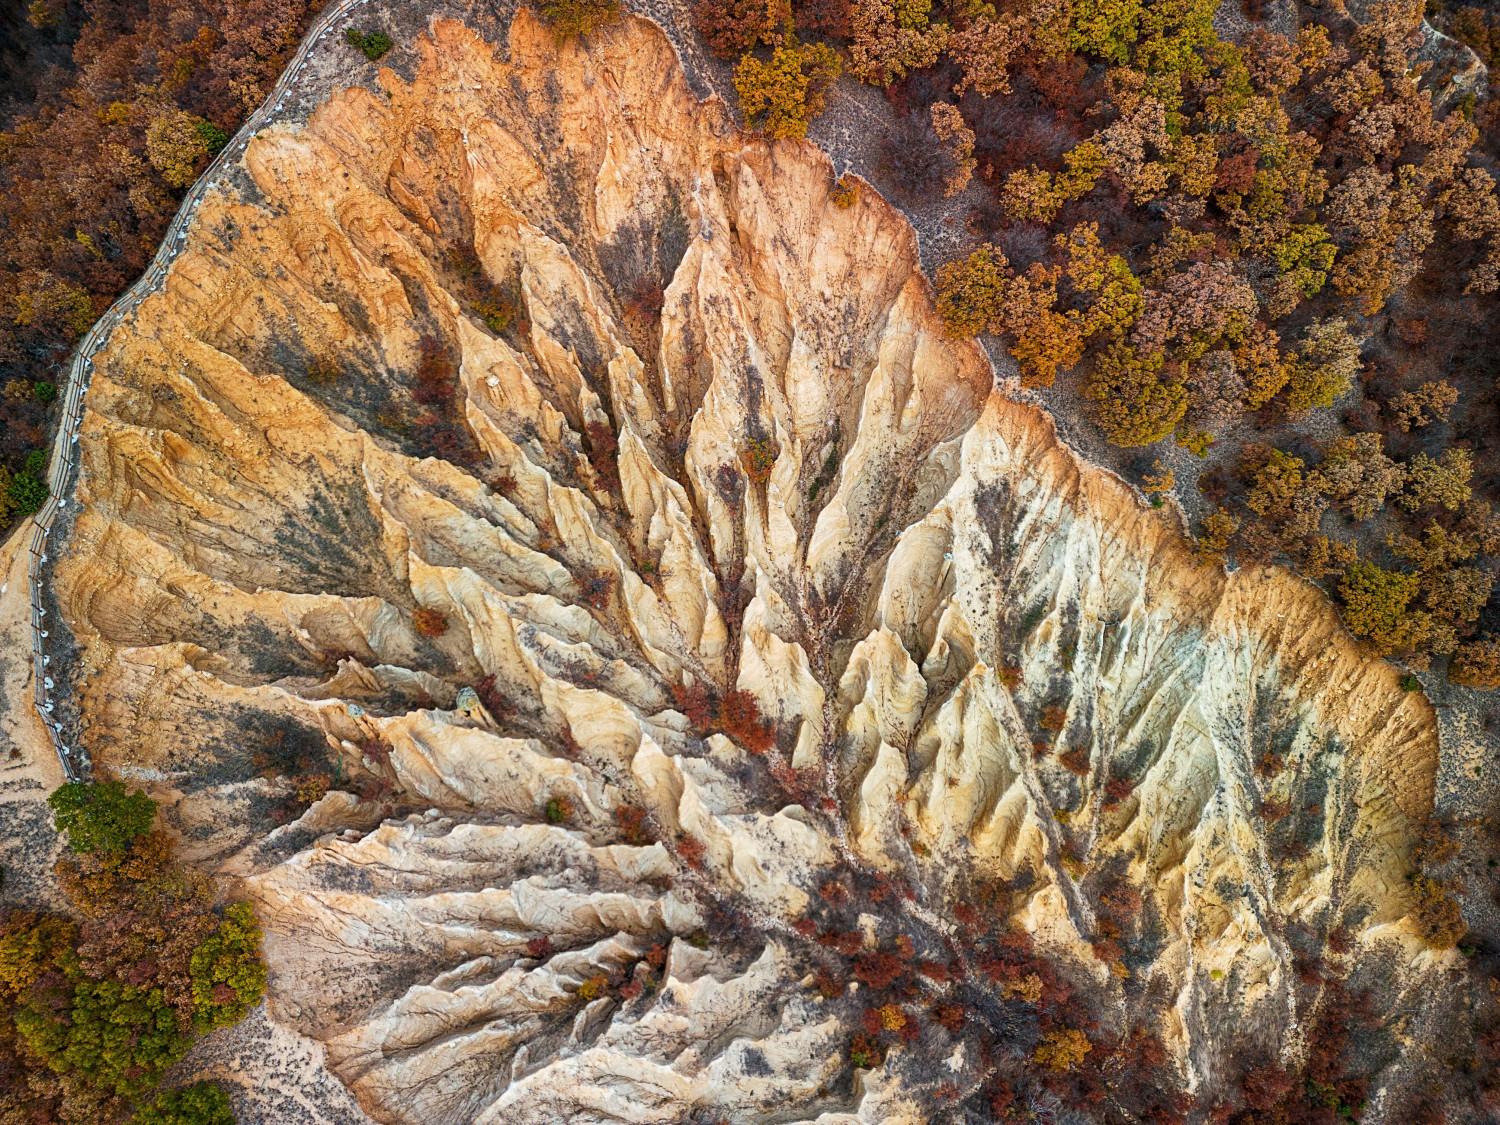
(101, 817)
(36, 463)
(1030, 620)
(116, 1036)
(199, 1104)
(1410, 683)
(495, 307)
(323, 369)
(26, 493)
(373, 43)
(44, 391)
(212, 136)
(229, 977)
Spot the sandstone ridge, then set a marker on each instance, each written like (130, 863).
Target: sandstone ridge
(480, 414)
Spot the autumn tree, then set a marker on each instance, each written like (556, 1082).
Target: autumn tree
(983, 50)
(1303, 255)
(1437, 550)
(1360, 206)
(1471, 26)
(1107, 292)
(949, 126)
(1454, 597)
(1375, 603)
(1062, 1050)
(1036, 195)
(1135, 404)
(1477, 664)
(1479, 522)
(228, 974)
(1211, 547)
(1474, 211)
(1260, 364)
(1444, 481)
(1435, 915)
(781, 96)
(1359, 476)
(1281, 491)
(1319, 556)
(734, 27)
(1273, 62)
(31, 945)
(1133, 147)
(983, 294)
(888, 38)
(1191, 310)
(1216, 393)
(1160, 480)
(1423, 405)
(1326, 363)
(1388, 218)
(176, 145)
(1190, 346)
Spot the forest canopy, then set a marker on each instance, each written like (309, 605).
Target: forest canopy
(96, 1006)
(1268, 240)
(110, 110)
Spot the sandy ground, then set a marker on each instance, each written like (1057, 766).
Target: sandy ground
(29, 768)
(273, 1075)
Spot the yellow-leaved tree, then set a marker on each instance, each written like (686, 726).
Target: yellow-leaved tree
(781, 96)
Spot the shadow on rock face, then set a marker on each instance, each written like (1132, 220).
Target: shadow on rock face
(728, 700)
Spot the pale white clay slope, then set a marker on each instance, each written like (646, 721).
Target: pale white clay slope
(955, 571)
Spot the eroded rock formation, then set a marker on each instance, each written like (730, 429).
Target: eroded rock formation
(492, 433)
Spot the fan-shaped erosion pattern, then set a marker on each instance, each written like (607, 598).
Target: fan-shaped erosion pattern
(490, 435)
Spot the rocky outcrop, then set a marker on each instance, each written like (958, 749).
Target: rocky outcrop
(494, 427)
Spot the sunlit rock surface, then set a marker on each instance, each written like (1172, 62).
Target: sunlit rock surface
(720, 440)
